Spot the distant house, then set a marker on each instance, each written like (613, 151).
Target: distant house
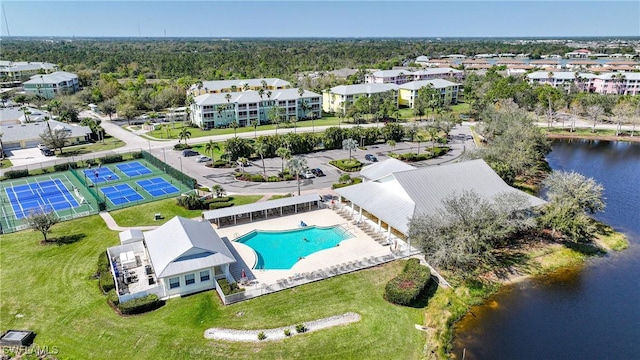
(19, 71)
(16, 115)
(578, 54)
(49, 85)
(27, 135)
(400, 77)
(422, 60)
(181, 257)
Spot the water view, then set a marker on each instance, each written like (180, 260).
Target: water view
(587, 312)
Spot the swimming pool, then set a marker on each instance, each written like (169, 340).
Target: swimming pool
(280, 250)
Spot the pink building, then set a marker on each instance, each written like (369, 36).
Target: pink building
(607, 83)
(400, 77)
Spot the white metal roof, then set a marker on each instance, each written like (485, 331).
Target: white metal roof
(53, 78)
(259, 206)
(426, 189)
(437, 71)
(182, 245)
(384, 168)
(32, 131)
(227, 84)
(363, 89)
(436, 83)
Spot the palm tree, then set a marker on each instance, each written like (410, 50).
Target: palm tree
(218, 190)
(419, 137)
(296, 165)
(260, 147)
(184, 135)
(284, 154)
(294, 120)
(255, 123)
(264, 84)
(432, 131)
(234, 125)
(210, 147)
(341, 115)
(274, 115)
(26, 113)
(349, 144)
(234, 88)
(312, 115)
(243, 162)
(392, 144)
(245, 86)
(576, 110)
(595, 111)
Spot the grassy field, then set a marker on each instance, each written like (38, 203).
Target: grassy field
(61, 302)
(6, 163)
(131, 216)
(110, 143)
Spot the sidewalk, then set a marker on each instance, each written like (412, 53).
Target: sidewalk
(112, 225)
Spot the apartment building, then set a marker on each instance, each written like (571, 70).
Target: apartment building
(20, 71)
(400, 77)
(48, 86)
(607, 83)
(339, 98)
(215, 110)
(448, 90)
(230, 86)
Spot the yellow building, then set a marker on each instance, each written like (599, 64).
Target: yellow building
(448, 90)
(339, 98)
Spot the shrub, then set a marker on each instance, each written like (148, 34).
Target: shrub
(190, 202)
(14, 174)
(352, 182)
(219, 164)
(261, 335)
(227, 288)
(106, 282)
(103, 263)
(273, 178)
(112, 296)
(287, 332)
(405, 288)
(256, 178)
(64, 167)
(136, 155)
(140, 305)
(220, 199)
(347, 165)
(90, 162)
(110, 159)
(181, 146)
(300, 328)
(219, 205)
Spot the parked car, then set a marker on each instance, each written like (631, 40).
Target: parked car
(317, 172)
(46, 151)
(307, 174)
(203, 159)
(189, 152)
(42, 146)
(370, 157)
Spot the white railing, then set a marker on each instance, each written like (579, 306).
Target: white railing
(157, 290)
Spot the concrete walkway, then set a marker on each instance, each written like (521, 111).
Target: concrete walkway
(112, 225)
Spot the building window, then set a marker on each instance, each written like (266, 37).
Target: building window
(189, 279)
(174, 282)
(204, 275)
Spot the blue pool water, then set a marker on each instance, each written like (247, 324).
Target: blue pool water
(280, 250)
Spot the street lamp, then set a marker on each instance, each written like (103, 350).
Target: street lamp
(149, 141)
(180, 157)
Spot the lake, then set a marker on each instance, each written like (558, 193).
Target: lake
(588, 312)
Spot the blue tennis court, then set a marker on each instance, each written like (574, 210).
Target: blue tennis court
(100, 175)
(133, 169)
(157, 186)
(44, 195)
(121, 194)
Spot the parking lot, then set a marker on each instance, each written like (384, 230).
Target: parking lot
(30, 156)
(460, 141)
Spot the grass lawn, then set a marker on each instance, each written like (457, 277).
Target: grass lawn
(109, 144)
(131, 216)
(61, 302)
(585, 132)
(6, 163)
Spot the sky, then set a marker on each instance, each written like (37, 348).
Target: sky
(310, 18)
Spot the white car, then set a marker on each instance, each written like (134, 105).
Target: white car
(203, 159)
(307, 175)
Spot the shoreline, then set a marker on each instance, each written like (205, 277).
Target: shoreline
(594, 137)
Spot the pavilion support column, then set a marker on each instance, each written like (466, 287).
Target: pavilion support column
(251, 216)
(379, 225)
(360, 214)
(389, 233)
(295, 208)
(235, 220)
(265, 214)
(280, 211)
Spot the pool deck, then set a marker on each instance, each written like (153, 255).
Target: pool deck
(354, 249)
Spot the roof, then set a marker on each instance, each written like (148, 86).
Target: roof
(384, 168)
(390, 73)
(259, 206)
(182, 245)
(436, 83)
(251, 96)
(24, 65)
(568, 75)
(406, 194)
(53, 78)
(422, 58)
(344, 72)
(555, 62)
(363, 89)
(15, 113)
(227, 84)
(131, 234)
(32, 131)
(437, 71)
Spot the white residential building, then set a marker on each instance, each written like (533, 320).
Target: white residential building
(229, 86)
(339, 98)
(49, 85)
(19, 71)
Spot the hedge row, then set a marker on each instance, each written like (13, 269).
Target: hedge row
(353, 181)
(140, 305)
(347, 165)
(109, 159)
(14, 174)
(105, 281)
(405, 288)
